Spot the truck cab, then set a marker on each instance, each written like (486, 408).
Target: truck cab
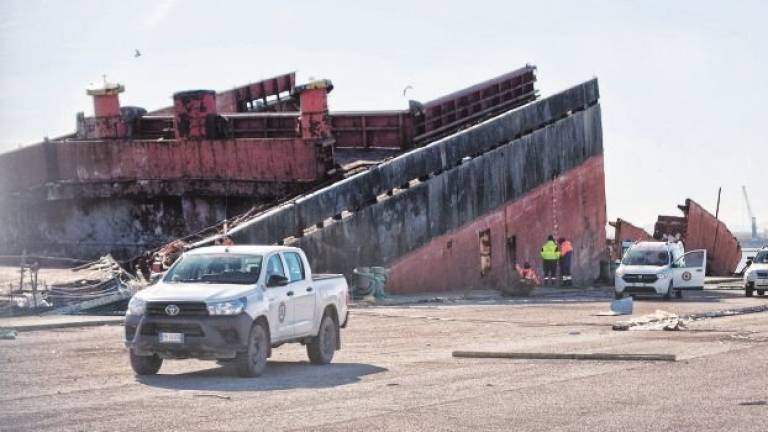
(756, 275)
(660, 268)
(234, 304)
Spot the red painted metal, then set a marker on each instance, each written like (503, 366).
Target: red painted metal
(372, 129)
(245, 98)
(315, 124)
(452, 261)
(195, 114)
(699, 229)
(247, 159)
(455, 111)
(625, 231)
(106, 107)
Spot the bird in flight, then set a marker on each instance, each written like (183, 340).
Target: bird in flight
(137, 53)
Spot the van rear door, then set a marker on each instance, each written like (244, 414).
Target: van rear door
(688, 271)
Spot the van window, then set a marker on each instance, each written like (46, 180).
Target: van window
(295, 266)
(646, 256)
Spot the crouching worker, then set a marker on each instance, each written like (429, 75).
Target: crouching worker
(524, 279)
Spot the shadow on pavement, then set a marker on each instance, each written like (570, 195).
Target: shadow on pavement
(277, 376)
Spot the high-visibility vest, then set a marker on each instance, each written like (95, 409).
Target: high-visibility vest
(549, 251)
(565, 248)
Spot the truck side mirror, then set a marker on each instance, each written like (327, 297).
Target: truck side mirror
(155, 278)
(277, 280)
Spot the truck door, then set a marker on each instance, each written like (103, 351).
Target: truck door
(280, 301)
(303, 295)
(688, 270)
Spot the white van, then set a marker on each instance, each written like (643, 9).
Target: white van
(660, 268)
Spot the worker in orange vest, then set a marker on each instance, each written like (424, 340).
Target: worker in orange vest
(566, 252)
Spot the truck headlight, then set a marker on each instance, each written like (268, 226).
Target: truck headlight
(231, 307)
(661, 275)
(136, 306)
(619, 272)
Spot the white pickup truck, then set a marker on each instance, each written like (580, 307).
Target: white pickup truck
(236, 303)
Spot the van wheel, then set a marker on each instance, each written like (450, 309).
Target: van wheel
(320, 350)
(668, 295)
(760, 292)
(252, 363)
(145, 365)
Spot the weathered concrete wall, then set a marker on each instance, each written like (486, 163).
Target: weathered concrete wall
(572, 206)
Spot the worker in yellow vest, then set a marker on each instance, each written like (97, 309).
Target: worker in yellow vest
(550, 253)
(566, 253)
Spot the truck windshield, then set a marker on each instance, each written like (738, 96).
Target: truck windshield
(222, 268)
(643, 256)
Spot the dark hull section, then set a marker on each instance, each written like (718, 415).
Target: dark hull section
(528, 173)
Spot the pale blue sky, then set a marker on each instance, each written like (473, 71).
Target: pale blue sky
(683, 83)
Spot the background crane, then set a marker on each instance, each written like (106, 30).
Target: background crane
(752, 217)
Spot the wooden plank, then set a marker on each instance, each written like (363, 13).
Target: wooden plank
(565, 356)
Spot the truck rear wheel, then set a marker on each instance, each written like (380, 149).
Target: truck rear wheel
(252, 363)
(322, 347)
(145, 365)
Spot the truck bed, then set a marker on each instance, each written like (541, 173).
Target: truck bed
(325, 276)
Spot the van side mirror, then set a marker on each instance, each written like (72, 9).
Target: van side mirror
(277, 280)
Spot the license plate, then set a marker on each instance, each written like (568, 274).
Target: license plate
(171, 337)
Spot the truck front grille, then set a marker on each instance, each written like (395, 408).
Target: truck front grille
(642, 278)
(185, 309)
(152, 329)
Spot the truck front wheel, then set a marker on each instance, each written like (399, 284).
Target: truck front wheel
(252, 363)
(145, 365)
(322, 347)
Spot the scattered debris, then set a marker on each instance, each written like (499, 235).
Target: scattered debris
(565, 356)
(370, 282)
(92, 285)
(622, 306)
(660, 320)
(7, 334)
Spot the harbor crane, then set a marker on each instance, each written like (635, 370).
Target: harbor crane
(752, 217)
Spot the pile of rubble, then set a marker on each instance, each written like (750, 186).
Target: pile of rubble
(93, 285)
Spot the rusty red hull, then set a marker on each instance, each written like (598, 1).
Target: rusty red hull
(626, 231)
(700, 229)
(517, 231)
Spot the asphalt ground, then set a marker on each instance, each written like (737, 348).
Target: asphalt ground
(395, 372)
